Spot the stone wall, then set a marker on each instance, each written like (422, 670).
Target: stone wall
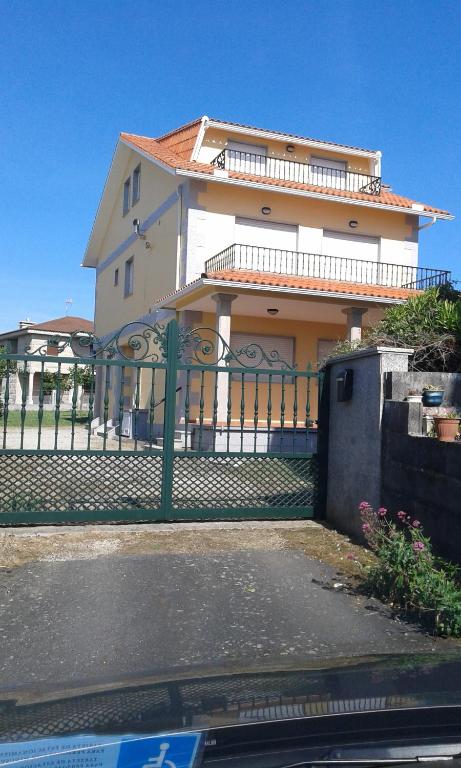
(422, 476)
(398, 383)
(354, 433)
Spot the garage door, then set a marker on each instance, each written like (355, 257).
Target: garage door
(266, 246)
(351, 251)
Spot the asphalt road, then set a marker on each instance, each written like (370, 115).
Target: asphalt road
(112, 616)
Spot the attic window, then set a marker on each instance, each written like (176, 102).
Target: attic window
(126, 195)
(136, 184)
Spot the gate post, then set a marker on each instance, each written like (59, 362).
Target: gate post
(169, 418)
(322, 442)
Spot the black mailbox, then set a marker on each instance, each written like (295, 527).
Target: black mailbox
(344, 385)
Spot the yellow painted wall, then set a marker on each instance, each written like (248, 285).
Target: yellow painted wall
(154, 268)
(215, 141)
(156, 186)
(223, 198)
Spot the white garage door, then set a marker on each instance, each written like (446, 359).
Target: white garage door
(268, 247)
(355, 249)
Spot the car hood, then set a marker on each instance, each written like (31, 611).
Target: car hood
(206, 699)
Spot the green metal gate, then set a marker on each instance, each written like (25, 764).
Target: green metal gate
(157, 423)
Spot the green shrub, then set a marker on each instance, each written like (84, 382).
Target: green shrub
(408, 575)
(429, 323)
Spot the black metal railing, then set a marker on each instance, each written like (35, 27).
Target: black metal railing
(303, 173)
(258, 259)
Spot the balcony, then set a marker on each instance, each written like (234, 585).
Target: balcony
(256, 259)
(288, 170)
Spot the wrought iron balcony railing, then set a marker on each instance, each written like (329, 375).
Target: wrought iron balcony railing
(288, 170)
(257, 259)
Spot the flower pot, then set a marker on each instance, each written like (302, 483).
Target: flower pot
(413, 398)
(433, 397)
(446, 429)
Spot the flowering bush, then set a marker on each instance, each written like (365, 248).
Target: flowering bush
(408, 574)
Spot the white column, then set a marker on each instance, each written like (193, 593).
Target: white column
(30, 388)
(19, 384)
(354, 322)
(223, 329)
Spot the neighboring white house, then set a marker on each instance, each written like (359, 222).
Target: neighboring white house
(24, 382)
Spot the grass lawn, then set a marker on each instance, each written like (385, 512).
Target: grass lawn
(48, 420)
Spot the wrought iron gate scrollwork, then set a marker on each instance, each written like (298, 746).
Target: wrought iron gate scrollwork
(250, 457)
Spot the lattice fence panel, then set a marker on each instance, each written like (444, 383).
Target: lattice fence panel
(243, 482)
(66, 482)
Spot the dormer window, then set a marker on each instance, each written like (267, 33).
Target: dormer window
(247, 158)
(327, 162)
(325, 172)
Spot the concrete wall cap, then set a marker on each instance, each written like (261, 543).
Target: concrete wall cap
(368, 352)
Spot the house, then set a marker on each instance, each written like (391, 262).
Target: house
(284, 241)
(51, 339)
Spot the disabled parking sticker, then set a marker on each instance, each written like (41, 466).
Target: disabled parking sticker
(171, 750)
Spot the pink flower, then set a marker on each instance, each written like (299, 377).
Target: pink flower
(401, 515)
(382, 511)
(418, 546)
(416, 524)
(364, 505)
(366, 527)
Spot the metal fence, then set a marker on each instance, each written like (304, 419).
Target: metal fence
(283, 262)
(302, 173)
(178, 426)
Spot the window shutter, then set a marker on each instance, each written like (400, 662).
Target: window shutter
(284, 345)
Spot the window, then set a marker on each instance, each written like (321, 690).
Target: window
(116, 277)
(254, 343)
(136, 184)
(248, 158)
(129, 273)
(126, 196)
(324, 172)
(326, 162)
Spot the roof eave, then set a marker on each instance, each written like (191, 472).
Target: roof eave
(313, 195)
(170, 301)
(306, 142)
(163, 165)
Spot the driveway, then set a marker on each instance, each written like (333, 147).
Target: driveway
(87, 615)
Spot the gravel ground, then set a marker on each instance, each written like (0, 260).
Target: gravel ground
(52, 543)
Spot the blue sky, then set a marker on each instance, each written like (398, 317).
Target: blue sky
(362, 72)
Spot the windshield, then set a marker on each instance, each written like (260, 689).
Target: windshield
(230, 383)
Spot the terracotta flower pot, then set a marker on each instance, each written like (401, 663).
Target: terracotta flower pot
(446, 429)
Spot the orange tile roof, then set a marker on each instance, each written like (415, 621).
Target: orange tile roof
(385, 198)
(175, 149)
(67, 324)
(312, 283)
(182, 140)
(162, 152)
